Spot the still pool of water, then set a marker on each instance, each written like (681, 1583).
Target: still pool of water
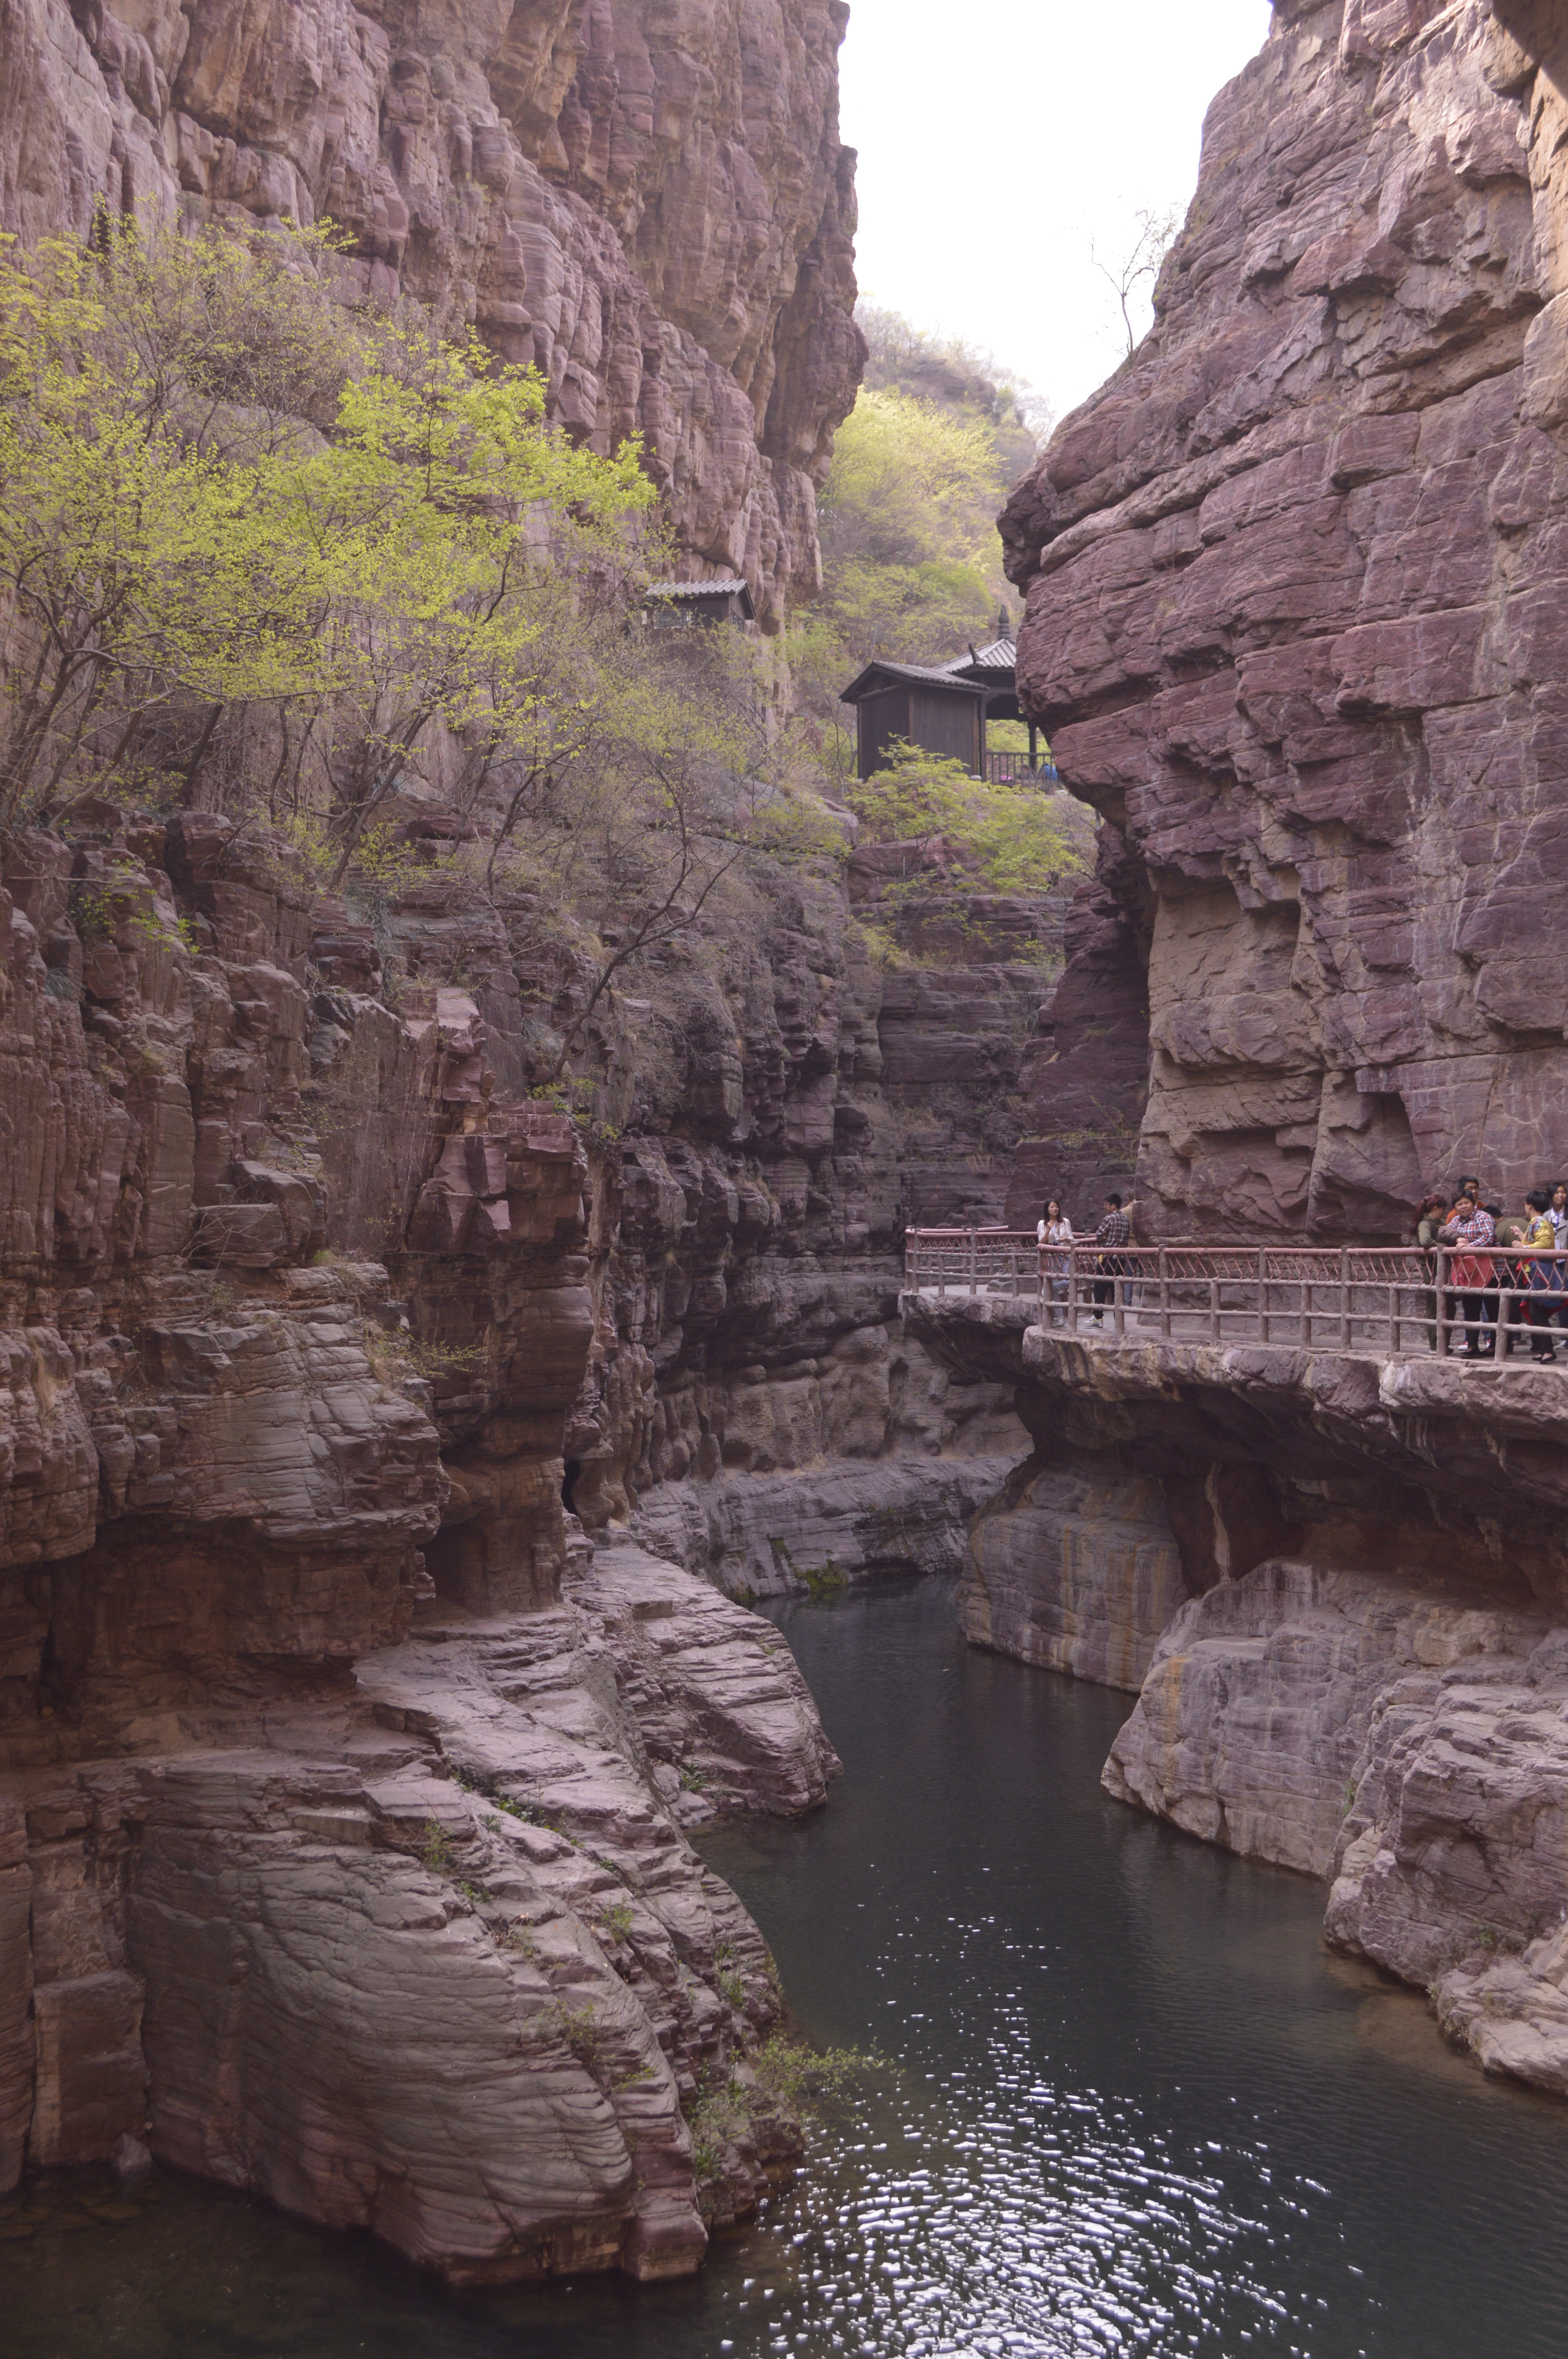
(1128, 2102)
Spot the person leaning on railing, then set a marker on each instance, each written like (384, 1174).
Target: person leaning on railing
(1469, 1229)
(1054, 1230)
(1115, 1229)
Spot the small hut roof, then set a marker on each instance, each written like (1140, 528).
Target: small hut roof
(729, 585)
(916, 675)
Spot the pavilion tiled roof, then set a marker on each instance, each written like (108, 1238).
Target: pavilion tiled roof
(1000, 656)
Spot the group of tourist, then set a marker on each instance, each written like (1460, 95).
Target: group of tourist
(1496, 1256)
(1053, 1233)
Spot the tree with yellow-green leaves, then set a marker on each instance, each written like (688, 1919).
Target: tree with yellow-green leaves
(911, 556)
(933, 811)
(909, 523)
(263, 551)
(226, 498)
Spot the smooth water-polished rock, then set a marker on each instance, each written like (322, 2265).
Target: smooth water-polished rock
(776, 1536)
(1076, 1569)
(1253, 1725)
(447, 1967)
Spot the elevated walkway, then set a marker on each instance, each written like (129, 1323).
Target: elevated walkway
(1377, 1302)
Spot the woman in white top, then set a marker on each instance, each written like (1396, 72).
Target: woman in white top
(1558, 1214)
(1054, 1229)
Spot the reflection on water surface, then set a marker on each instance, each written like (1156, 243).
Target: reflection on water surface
(1129, 2105)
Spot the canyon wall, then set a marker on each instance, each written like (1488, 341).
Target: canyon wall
(313, 1319)
(377, 1437)
(1337, 1588)
(1294, 588)
(651, 206)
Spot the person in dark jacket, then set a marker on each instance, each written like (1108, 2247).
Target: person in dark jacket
(1115, 1229)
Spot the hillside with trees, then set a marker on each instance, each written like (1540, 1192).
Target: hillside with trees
(910, 557)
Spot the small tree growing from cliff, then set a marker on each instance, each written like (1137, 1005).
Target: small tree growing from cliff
(937, 817)
(1140, 263)
(223, 492)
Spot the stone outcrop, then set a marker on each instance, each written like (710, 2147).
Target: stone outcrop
(309, 1312)
(1338, 1587)
(1404, 1739)
(650, 206)
(438, 1961)
(1293, 579)
(827, 1528)
(1073, 1568)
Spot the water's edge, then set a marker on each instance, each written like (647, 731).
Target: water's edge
(1130, 2102)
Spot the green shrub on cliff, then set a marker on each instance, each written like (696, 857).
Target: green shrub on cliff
(934, 815)
(243, 523)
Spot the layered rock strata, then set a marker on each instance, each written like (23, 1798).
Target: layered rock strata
(311, 1314)
(1338, 1588)
(1293, 582)
(650, 206)
(438, 1961)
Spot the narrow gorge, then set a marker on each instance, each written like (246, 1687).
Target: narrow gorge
(426, 1349)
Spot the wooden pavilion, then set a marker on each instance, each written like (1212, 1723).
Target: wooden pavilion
(942, 707)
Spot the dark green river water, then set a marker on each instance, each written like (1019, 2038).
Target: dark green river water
(1128, 2104)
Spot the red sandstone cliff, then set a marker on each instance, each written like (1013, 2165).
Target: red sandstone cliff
(1295, 588)
(651, 205)
(343, 1786)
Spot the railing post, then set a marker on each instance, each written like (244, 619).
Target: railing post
(1165, 1297)
(1345, 1297)
(1263, 1294)
(941, 1272)
(1213, 1310)
(974, 1249)
(1440, 1300)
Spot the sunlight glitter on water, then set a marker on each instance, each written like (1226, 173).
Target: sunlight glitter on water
(1125, 2102)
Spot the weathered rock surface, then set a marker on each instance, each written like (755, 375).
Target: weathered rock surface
(1253, 1724)
(776, 1535)
(440, 1963)
(1293, 578)
(1073, 1568)
(651, 206)
(1406, 1739)
(307, 1315)
(1338, 1586)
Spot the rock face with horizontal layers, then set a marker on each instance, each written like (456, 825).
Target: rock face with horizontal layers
(345, 1793)
(438, 1961)
(1074, 1569)
(1339, 1588)
(651, 206)
(1295, 592)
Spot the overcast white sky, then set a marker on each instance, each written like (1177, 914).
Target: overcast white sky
(996, 140)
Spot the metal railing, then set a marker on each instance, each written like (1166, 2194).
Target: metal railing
(1016, 771)
(1390, 1300)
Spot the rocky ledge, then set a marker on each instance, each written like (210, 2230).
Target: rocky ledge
(441, 1961)
(1337, 1587)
